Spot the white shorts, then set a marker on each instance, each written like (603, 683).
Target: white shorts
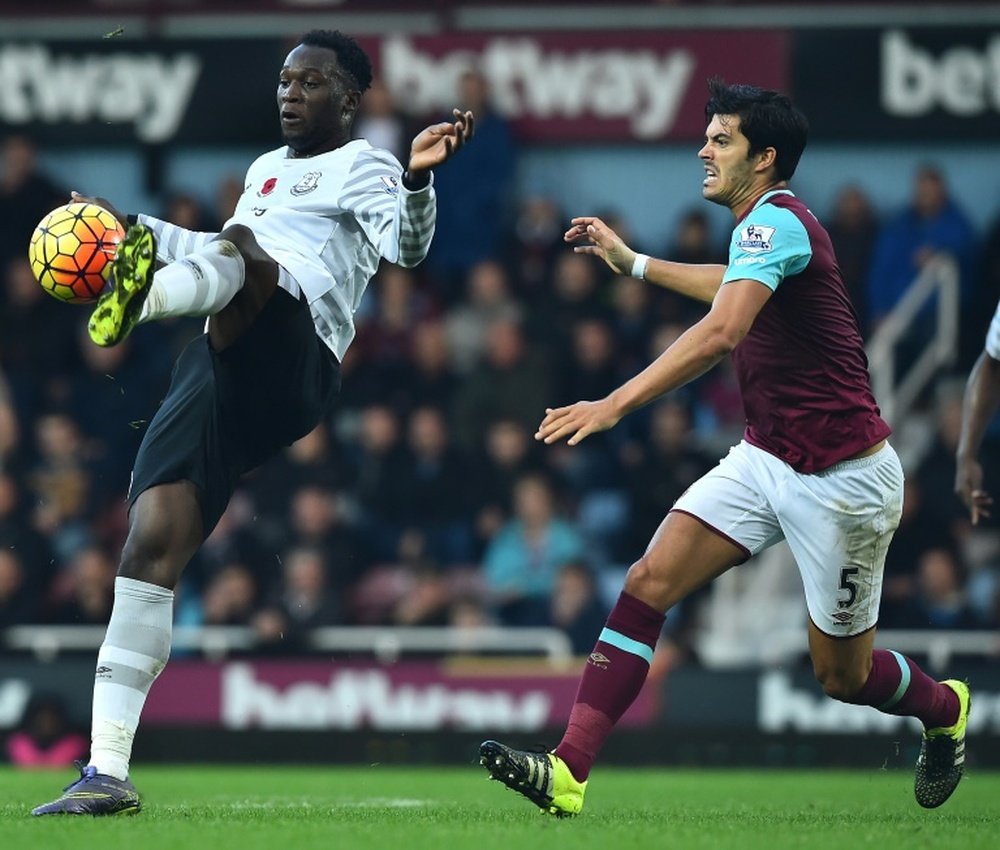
(838, 524)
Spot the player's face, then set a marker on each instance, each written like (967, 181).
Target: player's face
(729, 169)
(316, 101)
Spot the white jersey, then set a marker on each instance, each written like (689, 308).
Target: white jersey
(993, 336)
(326, 220)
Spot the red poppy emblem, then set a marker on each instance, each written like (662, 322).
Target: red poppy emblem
(268, 186)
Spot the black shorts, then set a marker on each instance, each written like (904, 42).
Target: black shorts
(227, 412)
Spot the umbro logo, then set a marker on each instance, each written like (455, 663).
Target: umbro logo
(598, 659)
(103, 672)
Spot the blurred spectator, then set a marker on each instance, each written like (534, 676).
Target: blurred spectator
(659, 470)
(589, 368)
(940, 601)
(311, 460)
(62, 484)
(937, 469)
(385, 340)
(18, 602)
(84, 589)
(473, 191)
(10, 430)
(633, 321)
(853, 228)
(521, 563)
(227, 195)
(920, 530)
(185, 210)
(230, 598)
(932, 223)
(691, 243)
(506, 454)
(576, 606)
(574, 295)
(112, 398)
(27, 194)
(382, 124)
(379, 468)
(512, 382)
(487, 299)
(37, 340)
(534, 243)
(45, 737)
(433, 379)
(437, 490)
(318, 519)
(304, 599)
(18, 535)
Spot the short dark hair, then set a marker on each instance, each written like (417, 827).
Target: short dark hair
(350, 56)
(768, 119)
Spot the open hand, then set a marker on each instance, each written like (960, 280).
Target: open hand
(440, 142)
(577, 421)
(601, 241)
(969, 488)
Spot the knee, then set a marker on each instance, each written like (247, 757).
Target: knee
(645, 582)
(246, 243)
(260, 270)
(145, 557)
(841, 683)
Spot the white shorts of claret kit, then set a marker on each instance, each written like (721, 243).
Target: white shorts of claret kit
(838, 524)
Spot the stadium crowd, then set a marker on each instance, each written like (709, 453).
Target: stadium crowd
(425, 499)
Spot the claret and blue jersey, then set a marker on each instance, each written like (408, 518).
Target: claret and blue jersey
(802, 368)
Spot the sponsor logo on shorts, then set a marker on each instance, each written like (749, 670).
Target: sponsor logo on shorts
(756, 239)
(842, 618)
(308, 182)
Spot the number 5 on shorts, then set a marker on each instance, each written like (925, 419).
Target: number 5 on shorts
(846, 574)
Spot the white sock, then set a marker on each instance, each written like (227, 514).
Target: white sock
(134, 652)
(199, 285)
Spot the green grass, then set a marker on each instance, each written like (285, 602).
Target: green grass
(299, 808)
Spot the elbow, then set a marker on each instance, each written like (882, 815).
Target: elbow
(722, 340)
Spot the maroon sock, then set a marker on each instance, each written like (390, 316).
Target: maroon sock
(898, 686)
(612, 679)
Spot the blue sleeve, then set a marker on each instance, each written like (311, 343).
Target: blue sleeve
(769, 245)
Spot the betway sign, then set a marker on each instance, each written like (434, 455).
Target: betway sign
(912, 84)
(577, 87)
(405, 696)
(146, 92)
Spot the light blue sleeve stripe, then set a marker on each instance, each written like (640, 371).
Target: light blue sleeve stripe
(770, 244)
(626, 644)
(904, 682)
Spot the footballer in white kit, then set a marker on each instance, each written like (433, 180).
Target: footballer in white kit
(279, 286)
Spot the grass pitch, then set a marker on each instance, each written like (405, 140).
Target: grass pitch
(299, 808)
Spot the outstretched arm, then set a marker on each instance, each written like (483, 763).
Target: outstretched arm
(593, 236)
(399, 219)
(982, 398)
(693, 353)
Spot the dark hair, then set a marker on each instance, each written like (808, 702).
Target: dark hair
(351, 58)
(768, 119)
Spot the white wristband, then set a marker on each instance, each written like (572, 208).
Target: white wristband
(639, 266)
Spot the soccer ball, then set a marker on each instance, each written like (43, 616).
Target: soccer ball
(71, 251)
